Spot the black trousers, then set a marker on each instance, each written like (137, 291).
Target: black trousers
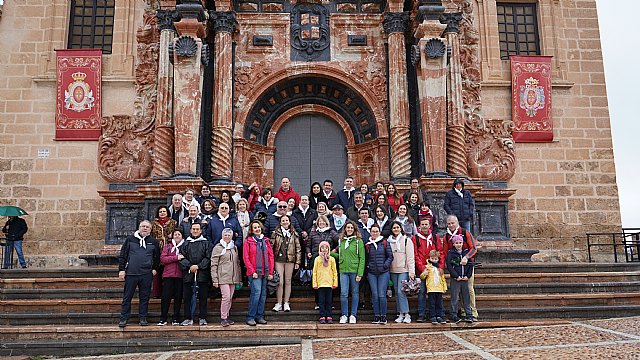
(171, 289)
(325, 300)
(203, 296)
(143, 283)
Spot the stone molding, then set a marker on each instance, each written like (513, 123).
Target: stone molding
(395, 22)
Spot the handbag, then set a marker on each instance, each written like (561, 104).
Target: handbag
(272, 284)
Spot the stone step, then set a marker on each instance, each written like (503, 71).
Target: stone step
(74, 272)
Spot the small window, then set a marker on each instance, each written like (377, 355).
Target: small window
(518, 29)
(91, 24)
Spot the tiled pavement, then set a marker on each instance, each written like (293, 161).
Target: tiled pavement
(596, 339)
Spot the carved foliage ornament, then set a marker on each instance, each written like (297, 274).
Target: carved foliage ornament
(309, 29)
(395, 22)
(452, 20)
(415, 54)
(223, 21)
(166, 18)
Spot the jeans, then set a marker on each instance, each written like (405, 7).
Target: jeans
(378, 284)
(402, 303)
(466, 225)
(131, 282)
(171, 289)
(422, 299)
(325, 295)
(436, 306)
(8, 252)
(257, 298)
(203, 297)
(460, 288)
(348, 282)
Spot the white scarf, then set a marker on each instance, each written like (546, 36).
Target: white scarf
(436, 274)
(190, 239)
(384, 221)
(267, 203)
(349, 191)
(459, 192)
(286, 233)
(176, 248)
(143, 243)
(327, 195)
(428, 238)
(226, 246)
(402, 219)
(394, 240)
(304, 211)
(243, 218)
(375, 242)
(454, 231)
(339, 221)
(223, 219)
(348, 239)
(322, 229)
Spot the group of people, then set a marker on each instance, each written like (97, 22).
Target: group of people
(352, 238)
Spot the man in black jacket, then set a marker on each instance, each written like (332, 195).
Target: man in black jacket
(459, 202)
(14, 230)
(138, 262)
(196, 266)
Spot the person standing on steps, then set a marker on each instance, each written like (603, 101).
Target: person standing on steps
(196, 267)
(351, 260)
(258, 259)
(137, 264)
(14, 229)
(459, 202)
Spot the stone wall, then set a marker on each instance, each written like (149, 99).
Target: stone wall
(67, 216)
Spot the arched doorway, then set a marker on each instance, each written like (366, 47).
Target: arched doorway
(310, 148)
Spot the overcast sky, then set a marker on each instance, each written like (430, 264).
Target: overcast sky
(621, 49)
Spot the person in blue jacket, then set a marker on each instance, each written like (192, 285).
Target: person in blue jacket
(459, 202)
(460, 273)
(220, 221)
(379, 259)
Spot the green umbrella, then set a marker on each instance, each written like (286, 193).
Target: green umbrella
(12, 211)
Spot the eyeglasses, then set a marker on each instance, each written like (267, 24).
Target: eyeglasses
(282, 206)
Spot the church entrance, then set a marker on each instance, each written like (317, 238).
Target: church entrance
(310, 148)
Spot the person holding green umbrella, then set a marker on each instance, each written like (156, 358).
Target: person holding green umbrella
(14, 229)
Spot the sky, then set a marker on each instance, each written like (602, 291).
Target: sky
(621, 50)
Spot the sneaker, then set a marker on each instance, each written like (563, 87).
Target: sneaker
(442, 320)
(421, 318)
(224, 322)
(468, 319)
(455, 319)
(162, 323)
(376, 320)
(475, 319)
(202, 322)
(434, 321)
(261, 321)
(122, 323)
(383, 320)
(143, 322)
(175, 323)
(186, 323)
(407, 319)
(323, 320)
(343, 319)
(277, 307)
(316, 307)
(400, 319)
(251, 322)
(352, 319)
(230, 322)
(287, 308)
(329, 320)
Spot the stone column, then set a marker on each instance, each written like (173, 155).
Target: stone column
(163, 165)
(430, 56)
(224, 24)
(187, 51)
(456, 146)
(394, 25)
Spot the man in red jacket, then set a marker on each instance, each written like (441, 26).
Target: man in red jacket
(423, 242)
(286, 191)
(469, 243)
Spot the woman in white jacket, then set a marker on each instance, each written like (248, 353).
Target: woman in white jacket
(403, 267)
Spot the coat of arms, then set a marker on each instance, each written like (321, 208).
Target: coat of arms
(531, 97)
(79, 96)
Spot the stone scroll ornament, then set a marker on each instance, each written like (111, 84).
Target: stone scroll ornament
(126, 147)
(531, 98)
(490, 147)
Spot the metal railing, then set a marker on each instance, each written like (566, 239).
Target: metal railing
(628, 241)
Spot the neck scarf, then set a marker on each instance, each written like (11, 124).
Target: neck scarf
(176, 247)
(454, 231)
(429, 239)
(321, 230)
(459, 192)
(286, 233)
(143, 244)
(243, 218)
(348, 239)
(226, 246)
(375, 241)
(163, 220)
(304, 211)
(436, 274)
(339, 221)
(381, 223)
(223, 219)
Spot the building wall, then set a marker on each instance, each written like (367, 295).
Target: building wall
(67, 216)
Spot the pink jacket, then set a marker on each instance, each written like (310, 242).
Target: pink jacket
(249, 255)
(169, 259)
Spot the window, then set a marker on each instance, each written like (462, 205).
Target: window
(91, 24)
(518, 29)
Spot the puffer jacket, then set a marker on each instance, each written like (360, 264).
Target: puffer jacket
(380, 257)
(461, 207)
(291, 246)
(225, 269)
(196, 252)
(316, 237)
(169, 259)
(324, 276)
(434, 281)
(403, 256)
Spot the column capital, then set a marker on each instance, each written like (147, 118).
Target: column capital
(430, 10)
(166, 19)
(395, 22)
(223, 21)
(191, 9)
(452, 20)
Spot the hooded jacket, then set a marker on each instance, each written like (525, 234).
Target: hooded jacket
(324, 276)
(404, 260)
(285, 195)
(196, 252)
(456, 269)
(462, 207)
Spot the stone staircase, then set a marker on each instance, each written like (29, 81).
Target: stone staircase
(74, 311)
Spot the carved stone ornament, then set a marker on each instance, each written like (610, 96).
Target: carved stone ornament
(206, 56)
(170, 49)
(166, 18)
(310, 30)
(429, 10)
(185, 46)
(223, 21)
(435, 48)
(415, 54)
(395, 22)
(191, 9)
(452, 20)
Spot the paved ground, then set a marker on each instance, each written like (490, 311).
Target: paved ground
(596, 339)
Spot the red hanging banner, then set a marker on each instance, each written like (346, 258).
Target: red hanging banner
(531, 98)
(79, 87)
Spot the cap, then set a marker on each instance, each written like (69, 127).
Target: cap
(337, 206)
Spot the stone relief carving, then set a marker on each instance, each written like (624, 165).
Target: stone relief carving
(247, 76)
(490, 150)
(127, 141)
(310, 38)
(372, 78)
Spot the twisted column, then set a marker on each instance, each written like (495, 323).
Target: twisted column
(456, 145)
(221, 139)
(394, 24)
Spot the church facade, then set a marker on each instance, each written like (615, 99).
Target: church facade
(252, 90)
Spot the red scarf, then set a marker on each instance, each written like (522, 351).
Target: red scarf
(163, 221)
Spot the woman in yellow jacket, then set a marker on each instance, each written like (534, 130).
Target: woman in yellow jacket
(436, 286)
(325, 279)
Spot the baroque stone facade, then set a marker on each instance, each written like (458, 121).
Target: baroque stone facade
(200, 93)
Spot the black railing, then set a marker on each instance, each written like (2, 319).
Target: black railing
(628, 241)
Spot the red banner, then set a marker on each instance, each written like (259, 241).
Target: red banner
(531, 98)
(79, 86)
